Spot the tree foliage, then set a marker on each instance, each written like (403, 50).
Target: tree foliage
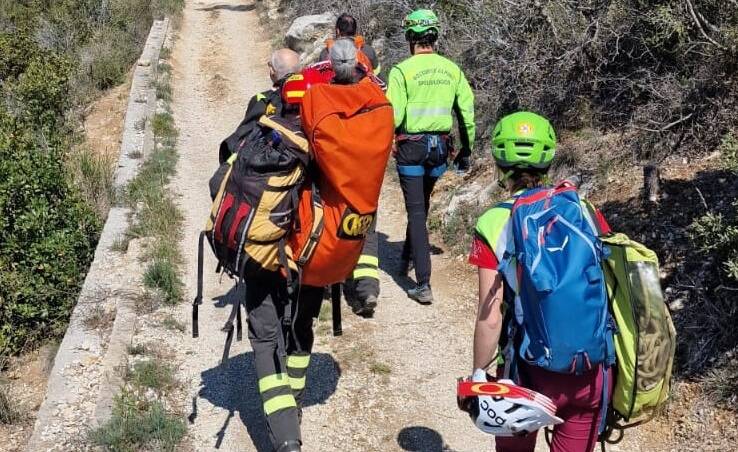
(664, 71)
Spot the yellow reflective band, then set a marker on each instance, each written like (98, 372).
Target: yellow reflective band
(378, 69)
(279, 403)
(369, 260)
(297, 383)
(366, 273)
(232, 159)
(295, 93)
(273, 381)
(298, 361)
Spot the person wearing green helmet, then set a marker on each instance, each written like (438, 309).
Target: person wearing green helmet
(426, 90)
(523, 148)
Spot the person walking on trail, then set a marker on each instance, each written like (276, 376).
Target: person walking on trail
(361, 290)
(282, 64)
(282, 357)
(571, 362)
(281, 352)
(425, 90)
(346, 27)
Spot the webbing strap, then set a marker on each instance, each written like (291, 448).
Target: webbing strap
(336, 309)
(420, 170)
(411, 170)
(228, 327)
(316, 230)
(605, 398)
(294, 137)
(198, 297)
(437, 171)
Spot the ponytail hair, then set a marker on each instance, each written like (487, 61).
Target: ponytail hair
(527, 178)
(343, 61)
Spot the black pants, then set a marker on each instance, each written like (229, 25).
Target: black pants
(281, 357)
(417, 189)
(364, 281)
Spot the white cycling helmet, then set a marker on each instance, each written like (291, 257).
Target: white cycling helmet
(503, 408)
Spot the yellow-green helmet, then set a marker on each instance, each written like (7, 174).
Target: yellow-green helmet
(523, 140)
(422, 20)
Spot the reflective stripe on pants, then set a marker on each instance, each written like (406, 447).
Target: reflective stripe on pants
(364, 281)
(265, 301)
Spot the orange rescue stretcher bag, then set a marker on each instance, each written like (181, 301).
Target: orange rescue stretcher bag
(350, 130)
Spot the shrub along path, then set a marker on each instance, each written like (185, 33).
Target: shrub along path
(387, 383)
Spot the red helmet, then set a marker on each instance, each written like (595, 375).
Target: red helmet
(295, 87)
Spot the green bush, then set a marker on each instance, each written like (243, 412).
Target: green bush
(729, 152)
(716, 236)
(53, 56)
(47, 233)
(110, 54)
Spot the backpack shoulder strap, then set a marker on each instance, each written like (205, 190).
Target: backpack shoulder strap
(291, 135)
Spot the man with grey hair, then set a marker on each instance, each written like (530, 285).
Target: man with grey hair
(281, 64)
(343, 62)
(362, 288)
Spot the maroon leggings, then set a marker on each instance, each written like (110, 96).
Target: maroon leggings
(578, 400)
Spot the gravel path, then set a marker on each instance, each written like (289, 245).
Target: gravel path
(387, 383)
(219, 61)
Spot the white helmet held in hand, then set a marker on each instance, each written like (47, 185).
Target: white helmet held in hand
(503, 408)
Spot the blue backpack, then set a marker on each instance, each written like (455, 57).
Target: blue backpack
(555, 269)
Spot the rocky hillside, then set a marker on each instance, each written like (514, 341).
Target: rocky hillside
(627, 84)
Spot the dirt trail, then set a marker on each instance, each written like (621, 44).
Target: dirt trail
(219, 61)
(387, 383)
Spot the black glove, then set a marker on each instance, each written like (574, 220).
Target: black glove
(462, 163)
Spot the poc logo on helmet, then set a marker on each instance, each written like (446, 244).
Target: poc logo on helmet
(354, 226)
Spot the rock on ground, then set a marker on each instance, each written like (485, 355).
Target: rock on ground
(307, 34)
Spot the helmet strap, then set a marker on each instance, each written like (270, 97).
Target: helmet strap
(503, 176)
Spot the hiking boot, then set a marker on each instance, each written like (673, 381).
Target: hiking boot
(421, 293)
(405, 266)
(365, 308)
(289, 446)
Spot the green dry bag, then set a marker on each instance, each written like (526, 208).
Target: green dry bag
(646, 339)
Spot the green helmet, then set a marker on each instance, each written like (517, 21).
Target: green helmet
(421, 20)
(523, 140)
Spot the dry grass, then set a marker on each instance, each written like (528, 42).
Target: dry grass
(9, 410)
(99, 318)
